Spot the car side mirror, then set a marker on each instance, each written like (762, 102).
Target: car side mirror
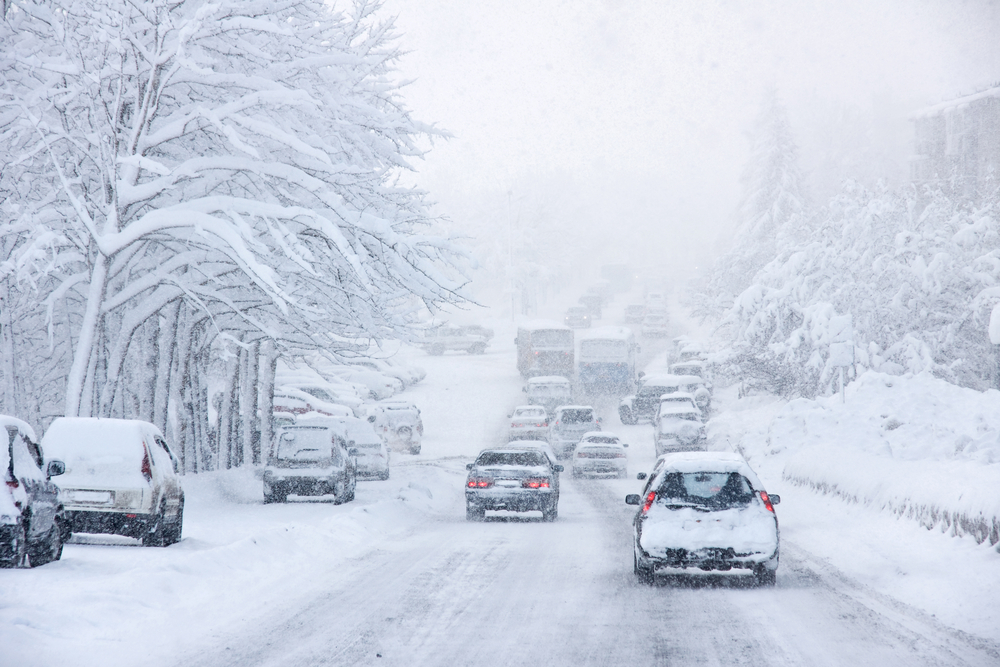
(624, 444)
(641, 475)
(469, 466)
(353, 451)
(633, 499)
(775, 499)
(55, 468)
(371, 419)
(558, 467)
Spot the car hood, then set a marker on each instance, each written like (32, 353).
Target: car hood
(749, 530)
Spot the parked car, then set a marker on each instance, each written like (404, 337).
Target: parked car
(706, 511)
(33, 524)
(310, 458)
(568, 424)
(512, 479)
(478, 330)
(592, 302)
(399, 425)
(677, 398)
(121, 478)
(679, 429)
(371, 452)
(549, 391)
(302, 401)
(528, 422)
(600, 453)
(380, 386)
(326, 392)
(442, 338)
(644, 403)
(635, 312)
(408, 376)
(655, 325)
(577, 317)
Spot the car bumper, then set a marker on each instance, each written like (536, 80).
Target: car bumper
(301, 486)
(110, 523)
(600, 467)
(515, 500)
(708, 560)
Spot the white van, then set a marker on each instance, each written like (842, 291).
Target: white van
(121, 478)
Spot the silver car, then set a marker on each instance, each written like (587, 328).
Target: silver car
(518, 480)
(704, 511)
(528, 422)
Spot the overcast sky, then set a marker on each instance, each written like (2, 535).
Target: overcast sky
(637, 111)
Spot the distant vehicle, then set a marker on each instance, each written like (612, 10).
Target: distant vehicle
(655, 325)
(33, 524)
(302, 401)
(618, 276)
(549, 391)
(568, 424)
(310, 459)
(600, 453)
(327, 393)
(646, 401)
(689, 367)
(544, 348)
(371, 453)
(478, 330)
(512, 479)
(440, 339)
(606, 361)
(679, 429)
(121, 478)
(577, 317)
(635, 312)
(380, 386)
(704, 511)
(681, 398)
(398, 423)
(656, 299)
(528, 422)
(592, 302)
(405, 374)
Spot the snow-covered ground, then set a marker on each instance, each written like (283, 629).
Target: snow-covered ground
(398, 577)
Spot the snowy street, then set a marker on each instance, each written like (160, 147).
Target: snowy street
(400, 574)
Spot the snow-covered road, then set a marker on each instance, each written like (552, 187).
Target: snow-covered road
(398, 577)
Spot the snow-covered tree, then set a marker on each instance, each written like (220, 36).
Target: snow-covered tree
(237, 157)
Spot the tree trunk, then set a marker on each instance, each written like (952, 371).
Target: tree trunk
(251, 426)
(267, 398)
(9, 369)
(85, 347)
(227, 412)
(167, 346)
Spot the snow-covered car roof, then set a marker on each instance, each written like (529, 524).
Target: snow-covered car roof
(669, 408)
(574, 407)
(548, 379)
(529, 408)
(23, 426)
(709, 462)
(676, 397)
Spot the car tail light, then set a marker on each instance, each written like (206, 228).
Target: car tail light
(541, 425)
(147, 471)
(582, 455)
(533, 483)
(620, 455)
(13, 483)
(479, 482)
(649, 501)
(767, 502)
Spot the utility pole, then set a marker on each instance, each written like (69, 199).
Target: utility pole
(510, 256)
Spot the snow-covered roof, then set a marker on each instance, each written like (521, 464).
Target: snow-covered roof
(23, 426)
(965, 100)
(709, 462)
(608, 333)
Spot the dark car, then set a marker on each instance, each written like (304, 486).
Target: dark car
(514, 479)
(32, 523)
(644, 403)
(310, 459)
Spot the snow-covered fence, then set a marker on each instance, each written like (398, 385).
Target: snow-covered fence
(914, 445)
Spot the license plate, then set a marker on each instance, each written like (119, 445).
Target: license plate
(91, 496)
(508, 483)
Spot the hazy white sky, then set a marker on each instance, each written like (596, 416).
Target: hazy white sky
(639, 109)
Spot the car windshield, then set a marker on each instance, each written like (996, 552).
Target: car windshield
(306, 444)
(530, 413)
(603, 439)
(552, 338)
(716, 490)
(525, 459)
(577, 416)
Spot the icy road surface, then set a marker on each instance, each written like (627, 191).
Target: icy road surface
(398, 577)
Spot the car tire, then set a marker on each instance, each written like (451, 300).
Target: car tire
(19, 549)
(764, 577)
(48, 550)
(156, 537)
(384, 475)
(474, 512)
(275, 497)
(551, 513)
(478, 348)
(173, 530)
(644, 574)
(415, 450)
(354, 489)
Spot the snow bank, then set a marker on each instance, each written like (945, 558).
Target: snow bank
(913, 445)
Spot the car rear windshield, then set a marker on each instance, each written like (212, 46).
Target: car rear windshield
(312, 444)
(581, 416)
(655, 390)
(531, 459)
(716, 490)
(549, 389)
(552, 338)
(603, 439)
(530, 413)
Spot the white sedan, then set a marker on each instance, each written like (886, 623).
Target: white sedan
(600, 453)
(529, 422)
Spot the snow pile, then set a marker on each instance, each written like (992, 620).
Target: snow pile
(915, 445)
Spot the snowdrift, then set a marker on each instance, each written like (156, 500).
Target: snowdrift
(913, 445)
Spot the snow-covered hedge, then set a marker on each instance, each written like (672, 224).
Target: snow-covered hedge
(914, 445)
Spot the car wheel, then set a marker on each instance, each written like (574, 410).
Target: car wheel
(47, 550)
(626, 417)
(478, 348)
(156, 536)
(353, 491)
(275, 497)
(173, 530)
(474, 512)
(764, 577)
(18, 549)
(643, 573)
(551, 513)
(384, 475)
(415, 450)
